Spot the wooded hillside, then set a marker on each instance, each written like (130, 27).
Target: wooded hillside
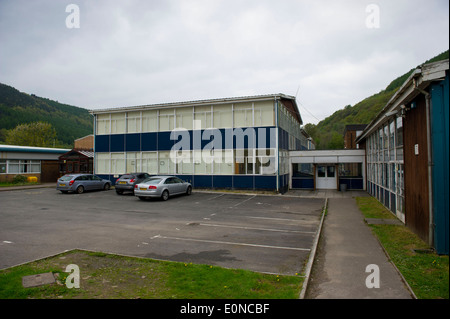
(328, 134)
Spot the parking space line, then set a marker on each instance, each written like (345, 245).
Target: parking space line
(271, 218)
(229, 243)
(244, 201)
(263, 229)
(214, 197)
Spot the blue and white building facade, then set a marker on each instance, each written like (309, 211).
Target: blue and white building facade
(240, 143)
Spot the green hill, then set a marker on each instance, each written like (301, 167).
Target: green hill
(328, 134)
(16, 107)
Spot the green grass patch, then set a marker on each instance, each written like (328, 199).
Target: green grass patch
(107, 276)
(426, 272)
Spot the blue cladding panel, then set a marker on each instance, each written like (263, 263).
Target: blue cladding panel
(117, 143)
(304, 183)
(393, 203)
(242, 181)
(202, 181)
(164, 141)
(265, 182)
(102, 143)
(222, 181)
(133, 142)
(149, 142)
(352, 183)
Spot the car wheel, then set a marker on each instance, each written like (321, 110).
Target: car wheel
(189, 190)
(107, 187)
(165, 195)
(80, 189)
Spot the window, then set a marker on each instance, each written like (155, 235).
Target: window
(243, 115)
(202, 117)
(399, 139)
(264, 113)
(166, 120)
(386, 142)
(117, 123)
(223, 162)
(353, 170)
(103, 124)
(391, 140)
(166, 166)
(183, 162)
(321, 171)
(133, 162)
(265, 162)
(150, 121)
(302, 170)
(117, 163)
(203, 161)
(2, 167)
(134, 122)
(330, 171)
(150, 162)
(223, 117)
(184, 118)
(102, 163)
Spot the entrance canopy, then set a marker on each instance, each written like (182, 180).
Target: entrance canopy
(327, 169)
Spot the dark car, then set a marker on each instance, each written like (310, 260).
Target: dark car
(81, 182)
(126, 182)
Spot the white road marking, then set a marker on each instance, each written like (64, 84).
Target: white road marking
(214, 197)
(231, 243)
(244, 201)
(264, 229)
(270, 218)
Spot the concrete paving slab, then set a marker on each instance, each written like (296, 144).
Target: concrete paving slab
(382, 221)
(38, 280)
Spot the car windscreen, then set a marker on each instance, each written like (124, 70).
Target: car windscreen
(66, 178)
(152, 180)
(126, 176)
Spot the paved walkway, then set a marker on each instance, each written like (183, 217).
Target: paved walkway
(346, 248)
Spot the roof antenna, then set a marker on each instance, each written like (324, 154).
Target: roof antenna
(298, 89)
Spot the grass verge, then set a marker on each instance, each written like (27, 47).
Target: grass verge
(426, 272)
(106, 276)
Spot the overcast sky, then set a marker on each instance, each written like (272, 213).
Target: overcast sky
(331, 53)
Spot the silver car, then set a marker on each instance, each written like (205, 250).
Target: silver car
(161, 186)
(81, 182)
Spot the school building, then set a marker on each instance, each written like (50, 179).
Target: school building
(241, 142)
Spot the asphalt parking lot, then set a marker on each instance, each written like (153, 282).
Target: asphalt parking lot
(272, 234)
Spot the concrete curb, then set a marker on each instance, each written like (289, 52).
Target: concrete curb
(312, 254)
(25, 187)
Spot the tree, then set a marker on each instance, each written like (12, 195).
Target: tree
(39, 134)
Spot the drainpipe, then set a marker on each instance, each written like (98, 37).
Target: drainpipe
(430, 164)
(277, 144)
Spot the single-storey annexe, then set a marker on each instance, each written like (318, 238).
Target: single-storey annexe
(407, 148)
